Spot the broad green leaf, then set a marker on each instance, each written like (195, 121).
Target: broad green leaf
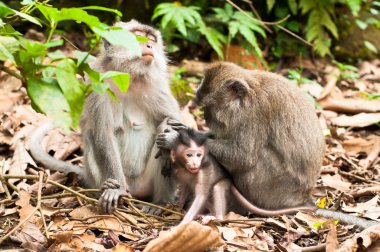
(370, 46)
(84, 57)
(99, 87)
(71, 87)
(120, 38)
(120, 79)
(27, 17)
(5, 11)
(102, 9)
(8, 46)
(47, 98)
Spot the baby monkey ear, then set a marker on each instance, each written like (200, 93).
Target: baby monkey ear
(237, 88)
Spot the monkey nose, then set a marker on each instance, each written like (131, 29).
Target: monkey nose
(149, 46)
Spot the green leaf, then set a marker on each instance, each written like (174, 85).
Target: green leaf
(251, 38)
(27, 17)
(214, 38)
(120, 79)
(83, 56)
(370, 46)
(293, 6)
(120, 38)
(99, 87)
(101, 8)
(355, 6)
(8, 46)
(71, 87)
(270, 4)
(362, 25)
(47, 98)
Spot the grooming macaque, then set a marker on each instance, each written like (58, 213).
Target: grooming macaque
(266, 135)
(206, 181)
(119, 138)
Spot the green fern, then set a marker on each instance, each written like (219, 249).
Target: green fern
(177, 15)
(319, 24)
(239, 23)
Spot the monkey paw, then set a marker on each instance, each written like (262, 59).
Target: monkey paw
(111, 194)
(151, 210)
(206, 219)
(167, 139)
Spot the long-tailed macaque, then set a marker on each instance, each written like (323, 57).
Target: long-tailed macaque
(119, 138)
(266, 135)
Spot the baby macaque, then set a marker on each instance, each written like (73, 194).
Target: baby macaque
(119, 138)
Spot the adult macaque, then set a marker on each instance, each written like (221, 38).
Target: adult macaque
(267, 136)
(119, 138)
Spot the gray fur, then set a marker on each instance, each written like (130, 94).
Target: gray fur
(119, 137)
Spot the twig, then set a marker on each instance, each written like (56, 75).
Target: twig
(41, 176)
(140, 213)
(368, 191)
(104, 228)
(152, 205)
(361, 179)
(12, 73)
(277, 24)
(257, 14)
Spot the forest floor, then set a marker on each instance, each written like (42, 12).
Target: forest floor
(44, 210)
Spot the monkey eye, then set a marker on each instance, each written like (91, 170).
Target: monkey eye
(199, 154)
(189, 155)
(139, 33)
(151, 37)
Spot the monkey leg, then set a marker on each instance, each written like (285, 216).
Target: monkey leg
(220, 192)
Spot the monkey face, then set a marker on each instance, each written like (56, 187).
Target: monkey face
(193, 159)
(152, 58)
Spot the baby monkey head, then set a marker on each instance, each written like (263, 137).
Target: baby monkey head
(152, 56)
(189, 151)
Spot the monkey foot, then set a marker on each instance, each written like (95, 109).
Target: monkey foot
(151, 210)
(111, 194)
(205, 219)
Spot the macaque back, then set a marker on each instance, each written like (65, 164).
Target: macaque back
(267, 134)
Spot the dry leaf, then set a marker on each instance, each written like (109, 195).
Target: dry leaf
(120, 247)
(335, 182)
(358, 121)
(190, 237)
(20, 161)
(29, 233)
(356, 145)
(332, 238)
(367, 240)
(350, 105)
(369, 209)
(84, 212)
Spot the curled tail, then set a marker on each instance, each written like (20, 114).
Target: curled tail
(44, 158)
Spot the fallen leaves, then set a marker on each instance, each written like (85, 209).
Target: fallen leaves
(190, 237)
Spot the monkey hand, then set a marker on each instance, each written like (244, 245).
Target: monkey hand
(176, 125)
(167, 139)
(111, 194)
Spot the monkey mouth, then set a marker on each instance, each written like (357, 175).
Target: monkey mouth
(147, 57)
(193, 169)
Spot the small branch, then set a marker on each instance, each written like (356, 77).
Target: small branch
(21, 223)
(152, 205)
(277, 24)
(12, 73)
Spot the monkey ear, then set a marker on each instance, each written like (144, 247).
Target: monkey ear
(238, 88)
(106, 44)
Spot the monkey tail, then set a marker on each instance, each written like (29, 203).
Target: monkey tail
(264, 212)
(44, 158)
